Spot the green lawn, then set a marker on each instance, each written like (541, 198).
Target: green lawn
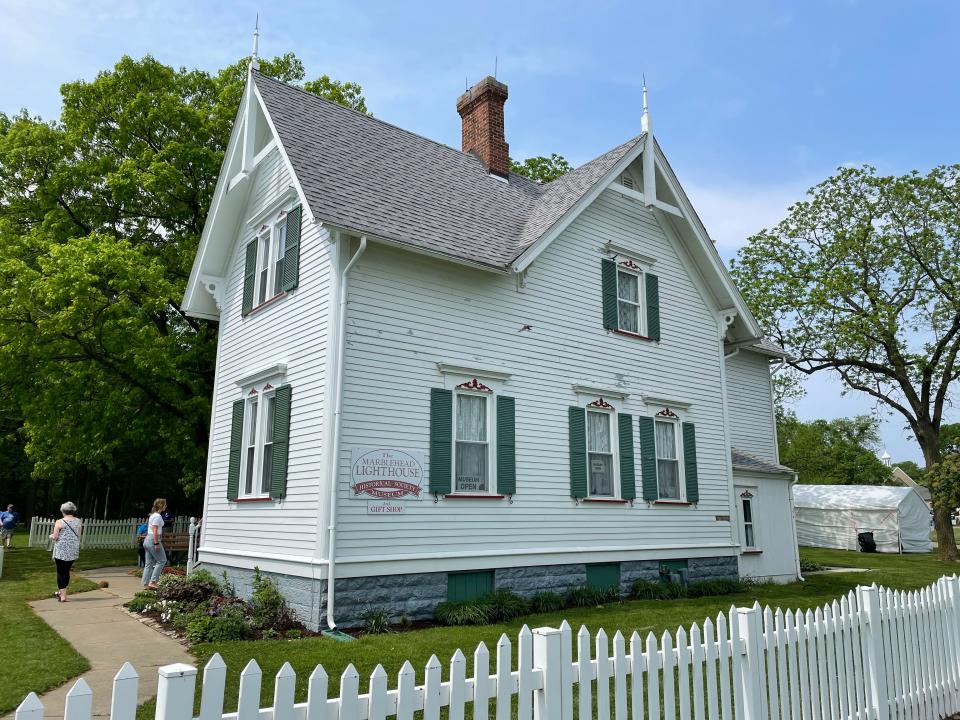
(646, 616)
(35, 657)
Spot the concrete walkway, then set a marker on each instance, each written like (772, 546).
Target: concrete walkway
(100, 630)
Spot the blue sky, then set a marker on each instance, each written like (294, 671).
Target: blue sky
(753, 102)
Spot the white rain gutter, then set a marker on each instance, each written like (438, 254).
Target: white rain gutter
(334, 460)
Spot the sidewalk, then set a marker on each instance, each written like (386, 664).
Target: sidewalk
(96, 625)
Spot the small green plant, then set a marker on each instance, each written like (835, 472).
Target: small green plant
(375, 621)
(646, 590)
(405, 622)
(502, 605)
(584, 596)
(269, 634)
(269, 606)
(226, 587)
(200, 585)
(545, 601)
(293, 634)
(704, 588)
(461, 613)
(142, 600)
(810, 565)
(231, 626)
(611, 596)
(665, 590)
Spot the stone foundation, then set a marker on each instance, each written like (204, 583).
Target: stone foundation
(417, 594)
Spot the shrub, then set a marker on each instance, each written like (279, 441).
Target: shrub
(269, 634)
(611, 595)
(502, 605)
(646, 590)
(545, 601)
(672, 590)
(703, 588)
(230, 626)
(810, 565)
(583, 596)
(195, 588)
(174, 570)
(461, 613)
(293, 634)
(375, 621)
(142, 600)
(405, 621)
(268, 604)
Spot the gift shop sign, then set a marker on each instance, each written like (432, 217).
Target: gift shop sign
(386, 474)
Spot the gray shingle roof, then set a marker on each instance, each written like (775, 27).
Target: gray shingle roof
(368, 176)
(743, 460)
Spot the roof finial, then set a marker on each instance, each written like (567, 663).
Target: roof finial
(254, 58)
(645, 118)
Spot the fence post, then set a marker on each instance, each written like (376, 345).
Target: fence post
(30, 709)
(175, 692)
(876, 662)
(547, 654)
(750, 656)
(191, 531)
(953, 637)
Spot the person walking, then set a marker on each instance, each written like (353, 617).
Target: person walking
(66, 547)
(154, 556)
(8, 523)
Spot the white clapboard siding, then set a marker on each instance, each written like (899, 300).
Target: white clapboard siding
(98, 534)
(752, 426)
(836, 663)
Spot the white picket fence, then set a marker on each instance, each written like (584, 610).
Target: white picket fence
(98, 534)
(875, 654)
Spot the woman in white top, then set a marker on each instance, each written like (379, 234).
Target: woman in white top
(66, 547)
(155, 558)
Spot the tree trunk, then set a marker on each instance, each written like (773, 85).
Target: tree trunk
(929, 440)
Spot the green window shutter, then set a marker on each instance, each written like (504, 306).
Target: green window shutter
(281, 442)
(609, 286)
(652, 286)
(249, 277)
(578, 452)
(236, 449)
(465, 586)
(648, 459)
(628, 487)
(291, 250)
(441, 440)
(603, 576)
(690, 462)
(506, 446)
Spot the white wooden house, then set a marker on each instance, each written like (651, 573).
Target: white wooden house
(436, 377)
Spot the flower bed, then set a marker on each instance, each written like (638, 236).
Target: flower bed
(204, 609)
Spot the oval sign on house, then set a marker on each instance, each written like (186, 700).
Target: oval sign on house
(386, 473)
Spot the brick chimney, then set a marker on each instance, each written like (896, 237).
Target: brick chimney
(481, 108)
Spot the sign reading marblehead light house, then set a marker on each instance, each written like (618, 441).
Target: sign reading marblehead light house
(388, 475)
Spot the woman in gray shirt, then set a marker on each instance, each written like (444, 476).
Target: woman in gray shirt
(66, 547)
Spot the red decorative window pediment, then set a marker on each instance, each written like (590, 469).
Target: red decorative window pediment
(630, 265)
(667, 413)
(601, 403)
(746, 494)
(474, 385)
(252, 392)
(268, 386)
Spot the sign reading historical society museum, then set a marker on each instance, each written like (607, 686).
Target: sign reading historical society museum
(387, 473)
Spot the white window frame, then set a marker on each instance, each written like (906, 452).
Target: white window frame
(741, 496)
(641, 304)
(678, 443)
(614, 428)
(269, 253)
(261, 394)
(489, 396)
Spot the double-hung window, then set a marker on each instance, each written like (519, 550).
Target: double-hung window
(600, 464)
(667, 436)
(472, 443)
(271, 248)
(258, 441)
(279, 248)
(629, 294)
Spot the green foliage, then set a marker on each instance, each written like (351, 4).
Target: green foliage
(944, 480)
(376, 621)
(461, 613)
(665, 590)
(709, 588)
(268, 604)
(222, 628)
(293, 634)
(545, 601)
(842, 451)
(911, 468)
(142, 600)
(584, 596)
(541, 169)
(810, 565)
(100, 217)
(504, 605)
(200, 585)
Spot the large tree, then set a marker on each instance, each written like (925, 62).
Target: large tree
(541, 169)
(862, 281)
(107, 380)
(842, 451)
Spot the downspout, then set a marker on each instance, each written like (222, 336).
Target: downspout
(793, 516)
(334, 460)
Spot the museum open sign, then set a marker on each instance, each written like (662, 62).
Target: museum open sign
(387, 473)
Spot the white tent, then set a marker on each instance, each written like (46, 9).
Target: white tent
(832, 515)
